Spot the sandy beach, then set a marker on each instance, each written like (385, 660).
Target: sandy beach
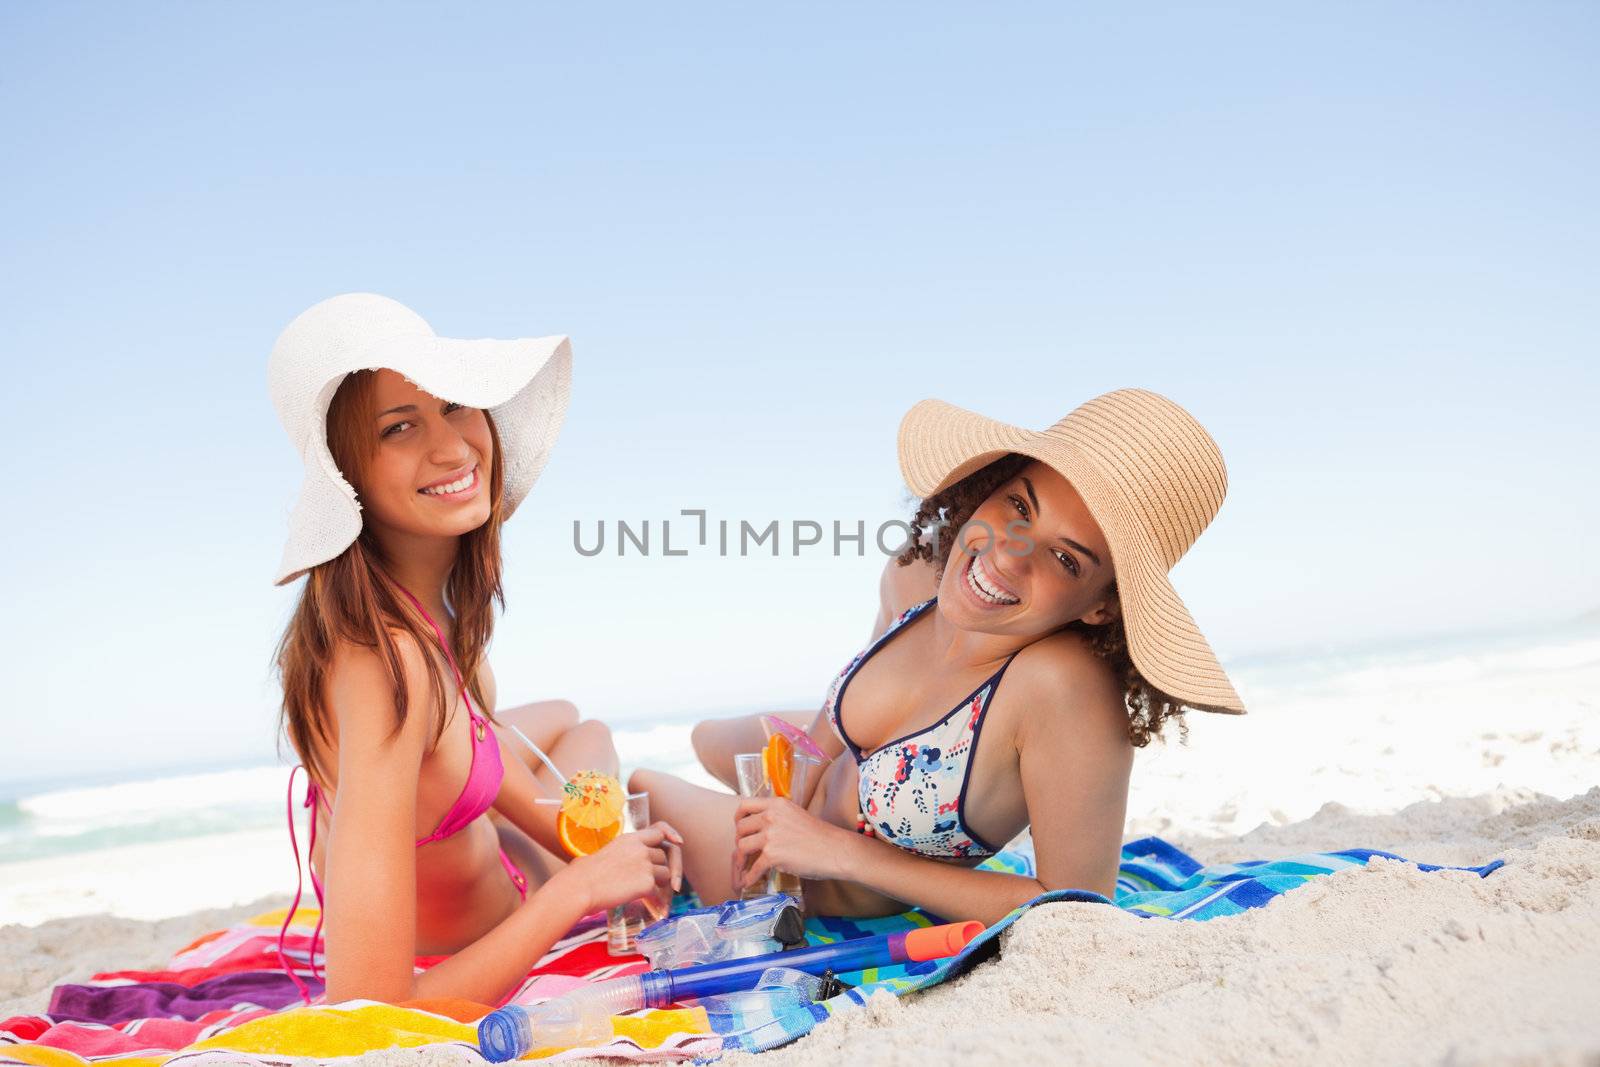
(1446, 759)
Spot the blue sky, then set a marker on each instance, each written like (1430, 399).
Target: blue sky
(1358, 242)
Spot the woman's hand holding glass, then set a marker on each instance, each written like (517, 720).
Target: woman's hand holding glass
(644, 864)
(775, 833)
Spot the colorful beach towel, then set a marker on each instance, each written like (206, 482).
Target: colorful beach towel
(223, 998)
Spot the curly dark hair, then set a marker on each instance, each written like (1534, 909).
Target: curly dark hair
(1149, 709)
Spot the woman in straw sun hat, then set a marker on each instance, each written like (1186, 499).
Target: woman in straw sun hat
(416, 448)
(1028, 640)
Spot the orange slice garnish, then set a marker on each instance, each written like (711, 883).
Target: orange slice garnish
(581, 840)
(591, 812)
(778, 760)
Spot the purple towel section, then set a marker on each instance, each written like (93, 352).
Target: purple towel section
(169, 1000)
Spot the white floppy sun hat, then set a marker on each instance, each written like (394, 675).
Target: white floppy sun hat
(523, 384)
(1152, 477)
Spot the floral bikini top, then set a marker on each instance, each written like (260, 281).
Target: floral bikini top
(913, 790)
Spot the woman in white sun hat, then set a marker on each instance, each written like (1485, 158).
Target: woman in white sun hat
(1039, 560)
(423, 822)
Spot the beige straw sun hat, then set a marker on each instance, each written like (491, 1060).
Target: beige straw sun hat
(1153, 479)
(523, 384)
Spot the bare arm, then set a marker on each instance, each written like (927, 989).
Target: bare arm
(371, 899)
(519, 791)
(1076, 762)
(371, 878)
(632, 866)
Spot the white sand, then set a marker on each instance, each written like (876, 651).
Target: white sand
(1454, 760)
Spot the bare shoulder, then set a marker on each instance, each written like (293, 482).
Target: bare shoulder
(1069, 690)
(361, 690)
(902, 587)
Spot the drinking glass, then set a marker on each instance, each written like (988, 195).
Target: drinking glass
(624, 921)
(751, 771)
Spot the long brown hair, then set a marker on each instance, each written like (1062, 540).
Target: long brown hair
(353, 598)
(1149, 709)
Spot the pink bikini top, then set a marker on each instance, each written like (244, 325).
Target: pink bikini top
(486, 770)
(477, 796)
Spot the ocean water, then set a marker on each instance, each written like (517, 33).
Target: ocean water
(1391, 665)
(47, 821)
(42, 820)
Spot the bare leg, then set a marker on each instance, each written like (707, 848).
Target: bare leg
(705, 819)
(572, 745)
(544, 721)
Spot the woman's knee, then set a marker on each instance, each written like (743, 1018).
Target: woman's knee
(712, 747)
(701, 736)
(593, 731)
(590, 741)
(564, 713)
(545, 721)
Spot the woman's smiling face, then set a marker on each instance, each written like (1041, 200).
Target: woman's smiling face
(1030, 560)
(430, 464)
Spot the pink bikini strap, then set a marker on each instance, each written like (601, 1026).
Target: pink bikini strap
(316, 883)
(451, 656)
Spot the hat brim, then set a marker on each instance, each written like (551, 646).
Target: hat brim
(524, 384)
(940, 444)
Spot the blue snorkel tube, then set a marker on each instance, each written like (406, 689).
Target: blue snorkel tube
(583, 1017)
